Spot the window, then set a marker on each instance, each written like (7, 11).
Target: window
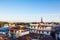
(48, 33)
(38, 32)
(32, 30)
(43, 32)
(35, 31)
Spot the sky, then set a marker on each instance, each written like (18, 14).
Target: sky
(30, 10)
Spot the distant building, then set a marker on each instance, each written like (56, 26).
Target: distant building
(6, 25)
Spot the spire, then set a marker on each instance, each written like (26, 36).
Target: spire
(41, 20)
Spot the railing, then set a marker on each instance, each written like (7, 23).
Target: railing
(22, 33)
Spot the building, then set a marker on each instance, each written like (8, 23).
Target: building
(17, 31)
(45, 28)
(3, 37)
(25, 37)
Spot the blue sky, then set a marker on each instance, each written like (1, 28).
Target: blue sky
(29, 10)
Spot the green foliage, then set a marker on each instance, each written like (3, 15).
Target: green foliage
(3, 22)
(23, 24)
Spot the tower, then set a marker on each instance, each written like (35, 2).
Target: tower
(41, 20)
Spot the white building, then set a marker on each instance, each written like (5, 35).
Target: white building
(43, 28)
